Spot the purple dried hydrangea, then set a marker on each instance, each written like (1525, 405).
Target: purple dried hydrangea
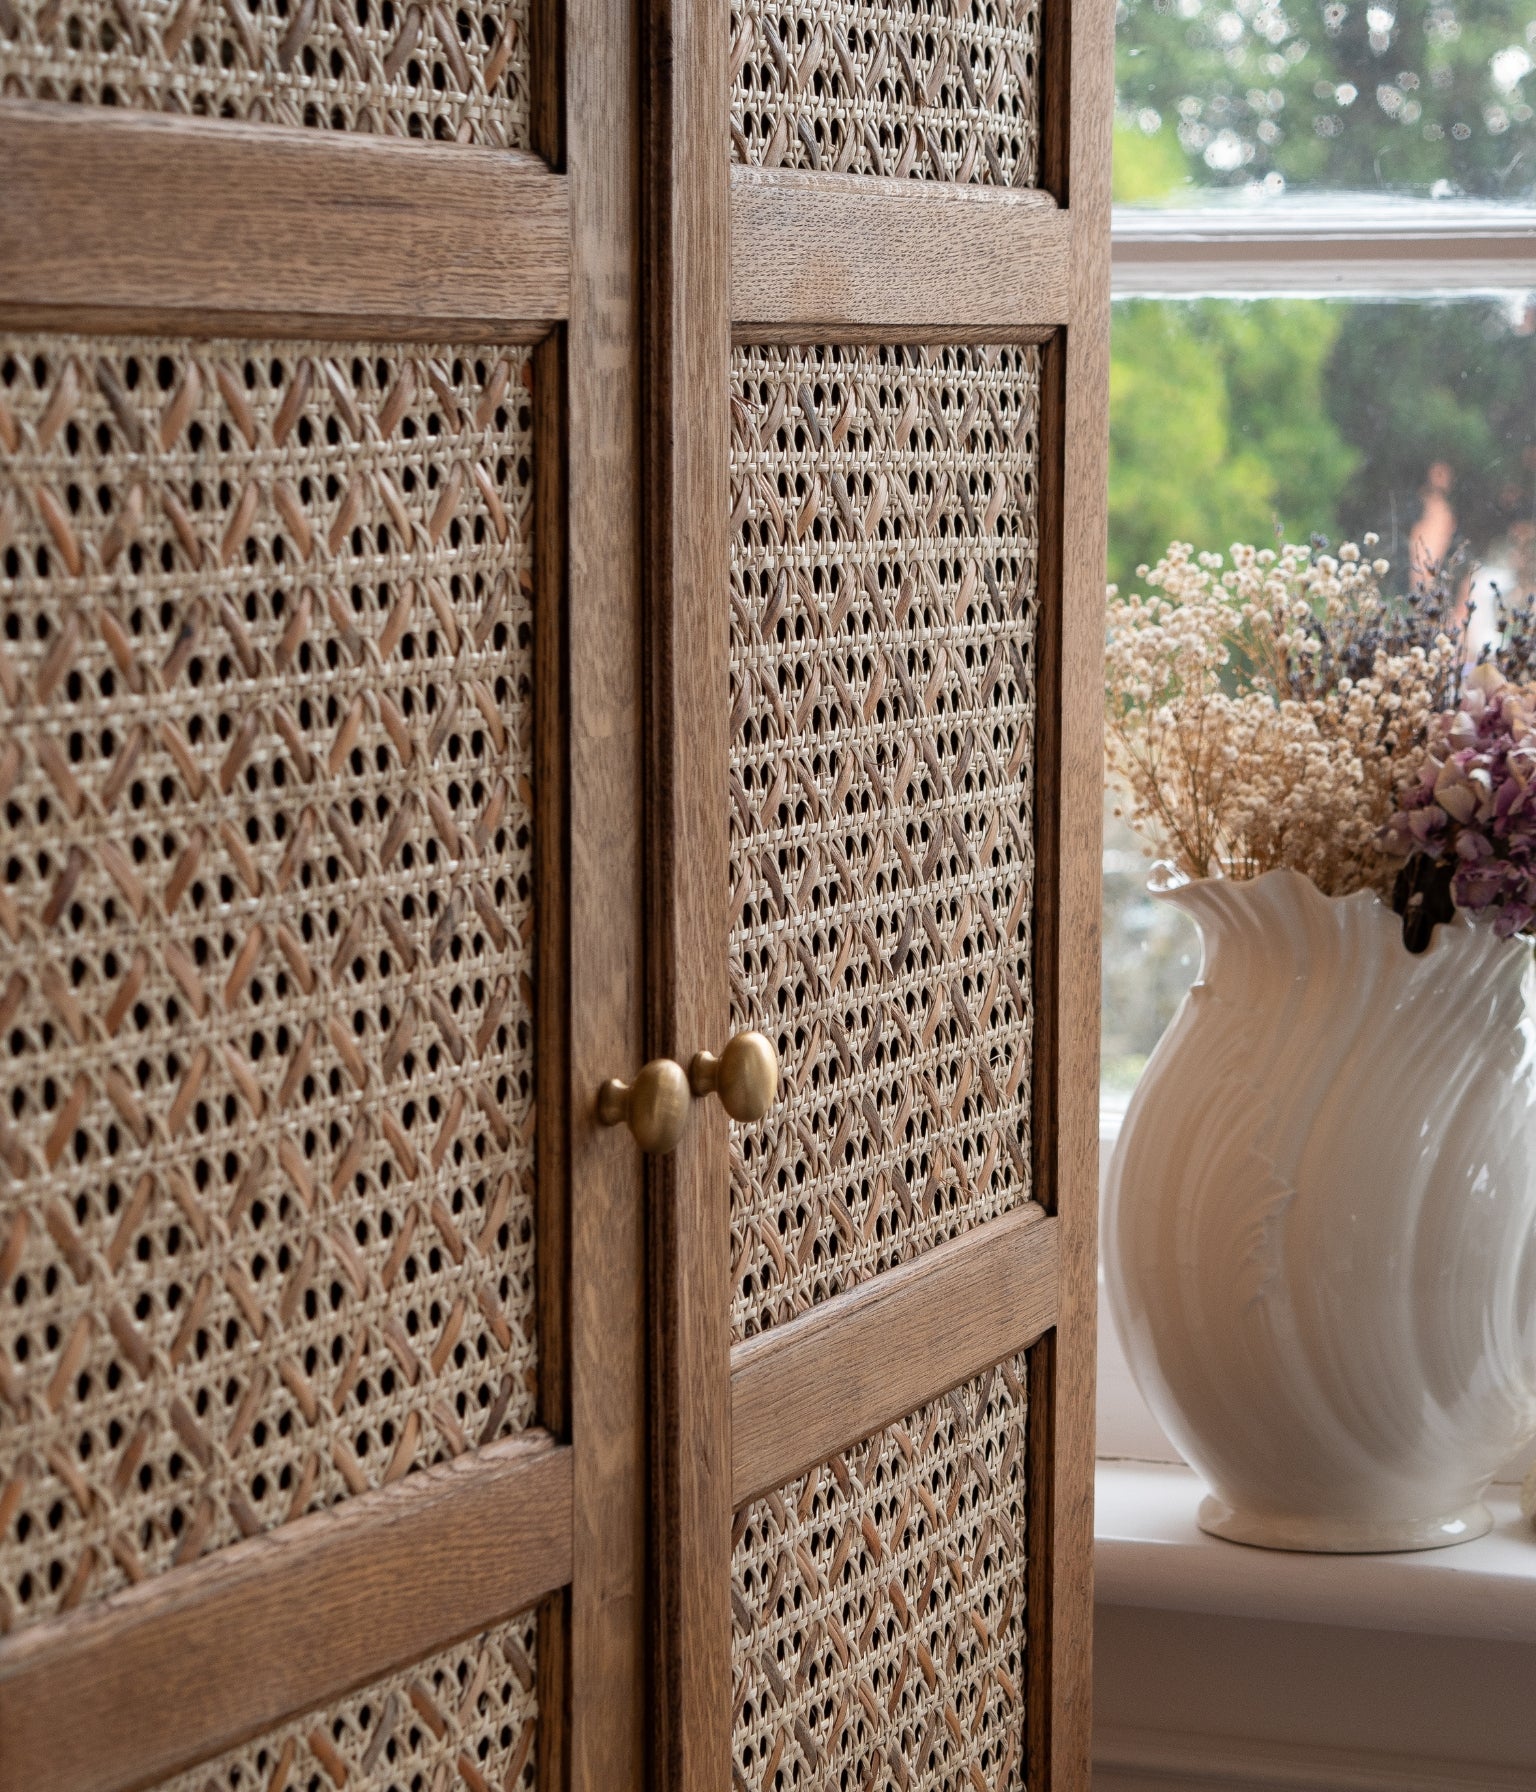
(1467, 829)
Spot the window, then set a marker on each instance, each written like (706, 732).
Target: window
(1325, 322)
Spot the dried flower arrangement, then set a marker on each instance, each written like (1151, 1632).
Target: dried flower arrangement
(1280, 707)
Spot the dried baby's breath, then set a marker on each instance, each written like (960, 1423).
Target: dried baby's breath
(1269, 711)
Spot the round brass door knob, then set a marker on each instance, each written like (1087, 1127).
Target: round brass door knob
(745, 1076)
(654, 1106)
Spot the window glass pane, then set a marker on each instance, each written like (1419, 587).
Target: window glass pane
(1236, 420)
(1243, 420)
(1252, 99)
(1150, 958)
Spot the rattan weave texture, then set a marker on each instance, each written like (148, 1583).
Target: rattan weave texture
(380, 66)
(266, 1096)
(882, 630)
(464, 1721)
(879, 1608)
(928, 89)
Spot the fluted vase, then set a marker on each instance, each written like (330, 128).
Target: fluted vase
(1320, 1220)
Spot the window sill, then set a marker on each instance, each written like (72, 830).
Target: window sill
(1148, 1552)
(1219, 1668)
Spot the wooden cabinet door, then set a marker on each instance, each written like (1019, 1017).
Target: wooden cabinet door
(880, 248)
(322, 1323)
(534, 537)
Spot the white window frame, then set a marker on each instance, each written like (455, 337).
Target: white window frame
(1326, 246)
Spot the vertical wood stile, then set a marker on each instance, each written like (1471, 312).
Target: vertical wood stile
(609, 1695)
(688, 343)
(1079, 75)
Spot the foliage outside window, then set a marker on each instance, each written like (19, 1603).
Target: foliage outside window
(1230, 98)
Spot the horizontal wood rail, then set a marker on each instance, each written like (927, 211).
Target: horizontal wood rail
(816, 1384)
(110, 220)
(163, 1676)
(828, 257)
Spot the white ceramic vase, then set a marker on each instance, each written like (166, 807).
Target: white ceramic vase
(1320, 1220)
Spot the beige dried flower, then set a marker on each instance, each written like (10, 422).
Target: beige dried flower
(1265, 713)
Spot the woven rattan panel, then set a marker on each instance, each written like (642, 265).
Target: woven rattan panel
(882, 681)
(932, 89)
(395, 67)
(879, 1608)
(266, 1106)
(464, 1721)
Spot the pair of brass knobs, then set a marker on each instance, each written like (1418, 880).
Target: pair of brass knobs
(655, 1105)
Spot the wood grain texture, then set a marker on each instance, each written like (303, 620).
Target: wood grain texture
(203, 228)
(835, 257)
(816, 1384)
(609, 1704)
(183, 1666)
(687, 282)
(1076, 152)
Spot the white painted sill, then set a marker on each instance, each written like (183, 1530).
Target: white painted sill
(1149, 1553)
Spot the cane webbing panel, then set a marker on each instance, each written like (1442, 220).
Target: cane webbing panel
(463, 1721)
(929, 89)
(266, 1102)
(396, 68)
(879, 1608)
(882, 760)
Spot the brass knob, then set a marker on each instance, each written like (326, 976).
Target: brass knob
(745, 1076)
(654, 1106)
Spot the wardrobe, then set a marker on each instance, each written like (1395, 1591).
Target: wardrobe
(551, 578)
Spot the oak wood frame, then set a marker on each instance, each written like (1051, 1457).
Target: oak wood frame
(114, 220)
(608, 1706)
(855, 253)
(828, 258)
(888, 1346)
(1079, 75)
(686, 279)
(382, 1581)
(120, 222)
